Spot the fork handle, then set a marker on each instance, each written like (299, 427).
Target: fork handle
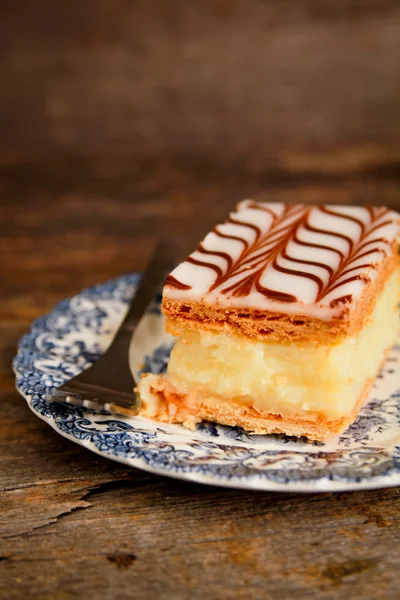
(163, 260)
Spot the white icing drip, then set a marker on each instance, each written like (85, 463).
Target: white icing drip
(196, 276)
(355, 288)
(290, 284)
(276, 207)
(272, 221)
(322, 239)
(253, 216)
(307, 253)
(239, 231)
(218, 244)
(210, 258)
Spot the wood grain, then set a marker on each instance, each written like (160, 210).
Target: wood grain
(296, 83)
(124, 121)
(75, 525)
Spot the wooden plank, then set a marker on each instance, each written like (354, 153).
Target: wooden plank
(125, 534)
(75, 525)
(101, 216)
(294, 84)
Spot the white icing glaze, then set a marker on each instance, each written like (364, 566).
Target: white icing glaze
(249, 268)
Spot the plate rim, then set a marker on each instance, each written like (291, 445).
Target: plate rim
(255, 482)
(266, 485)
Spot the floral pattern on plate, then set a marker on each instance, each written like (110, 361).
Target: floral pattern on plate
(72, 336)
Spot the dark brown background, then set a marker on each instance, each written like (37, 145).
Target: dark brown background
(120, 121)
(293, 83)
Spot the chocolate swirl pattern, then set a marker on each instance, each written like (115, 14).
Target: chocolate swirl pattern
(293, 258)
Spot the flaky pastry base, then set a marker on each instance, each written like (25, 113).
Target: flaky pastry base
(161, 401)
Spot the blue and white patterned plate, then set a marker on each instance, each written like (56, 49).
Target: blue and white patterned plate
(64, 342)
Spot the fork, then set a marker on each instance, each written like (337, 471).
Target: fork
(108, 383)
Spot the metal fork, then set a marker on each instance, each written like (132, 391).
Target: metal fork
(108, 384)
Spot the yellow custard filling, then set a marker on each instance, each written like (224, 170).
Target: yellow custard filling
(291, 379)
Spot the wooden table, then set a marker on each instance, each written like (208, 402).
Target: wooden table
(75, 525)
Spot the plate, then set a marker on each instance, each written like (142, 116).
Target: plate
(76, 332)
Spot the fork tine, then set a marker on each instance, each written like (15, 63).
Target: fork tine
(93, 403)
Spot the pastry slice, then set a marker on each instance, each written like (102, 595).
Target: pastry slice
(282, 316)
